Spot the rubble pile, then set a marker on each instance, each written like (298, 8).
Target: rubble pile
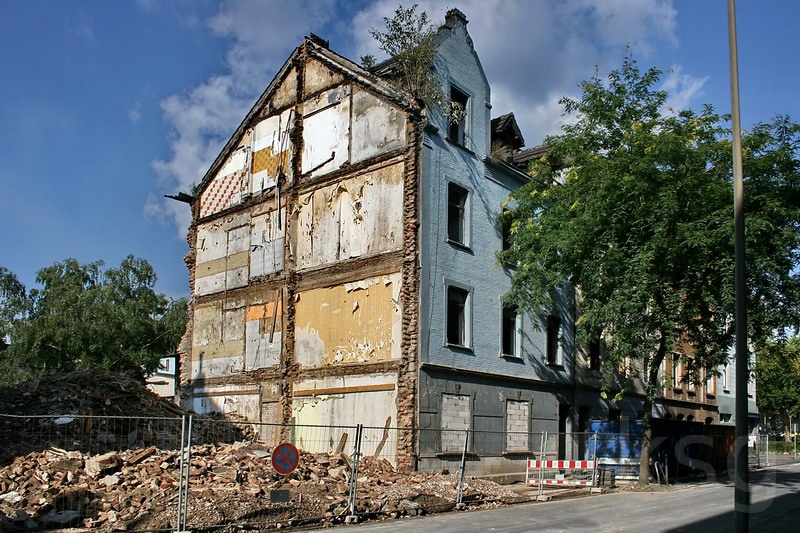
(98, 411)
(89, 392)
(229, 484)
(98, 450)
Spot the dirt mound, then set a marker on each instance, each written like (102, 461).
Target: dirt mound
(90, 392)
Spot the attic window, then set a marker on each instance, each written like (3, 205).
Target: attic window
(457, 116)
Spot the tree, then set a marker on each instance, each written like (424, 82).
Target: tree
(632, 205)
(12, 303)
(83, 316)
(409, 41)
(778, 377)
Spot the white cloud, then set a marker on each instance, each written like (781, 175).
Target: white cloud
(536, 52)
(201, 120)
(683, 89)
(135, 113)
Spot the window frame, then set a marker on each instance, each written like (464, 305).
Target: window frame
(726, 387)
(465, 215)
(676, 373)
(467, 310)
(595, 355)
(506, 307)
(461, 127)
(554, 348)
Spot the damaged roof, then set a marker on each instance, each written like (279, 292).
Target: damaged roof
(315, 47)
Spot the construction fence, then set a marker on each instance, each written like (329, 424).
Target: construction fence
(211, 473)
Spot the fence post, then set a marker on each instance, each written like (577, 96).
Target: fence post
(179, 514)
(767, 449)
(460, 505)
(188, 468)
(594, 461)
(352, 518)
(543, 458)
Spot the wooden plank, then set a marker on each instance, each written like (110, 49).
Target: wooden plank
(344, 390)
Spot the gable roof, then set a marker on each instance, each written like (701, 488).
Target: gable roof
(505, 127)
(315, 47)
(454, 16)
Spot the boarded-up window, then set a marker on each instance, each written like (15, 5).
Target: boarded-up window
(517, 425)
(456, 418)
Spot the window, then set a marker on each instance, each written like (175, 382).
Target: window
(517, 425)
(457, 214)
(456, 418)
(676, 374)
(711, 384)
(725, 418)
(457, 116)
(555, 355)
(725, 384)
(505, 228)
(458, 333)
(510, 334)
(594, 355)
(751, 387)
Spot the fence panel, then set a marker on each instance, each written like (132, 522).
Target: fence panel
(89, 471)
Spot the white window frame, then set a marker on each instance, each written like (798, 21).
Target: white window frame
(559, 359)
(465, 134)
(724, 377)
(448, 283)
(466, 216)
(676, 372)
(517, 332)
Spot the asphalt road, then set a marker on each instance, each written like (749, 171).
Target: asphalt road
(699, 508)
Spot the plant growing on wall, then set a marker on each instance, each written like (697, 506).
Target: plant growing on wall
(408, 40)
(633, 206)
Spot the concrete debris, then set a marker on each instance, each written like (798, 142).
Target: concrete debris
(227, 485)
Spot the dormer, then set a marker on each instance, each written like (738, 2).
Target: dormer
(506, 138)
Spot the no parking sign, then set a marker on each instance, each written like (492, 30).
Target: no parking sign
(285, 458)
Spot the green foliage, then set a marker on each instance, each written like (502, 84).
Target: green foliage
(82, 316)
(778, 378)
(633, 206)
(13, 302)
(408, 39)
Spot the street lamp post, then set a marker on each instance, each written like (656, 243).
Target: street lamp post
(741, 503)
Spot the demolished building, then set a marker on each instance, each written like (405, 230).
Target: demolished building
(343, 268)
(342, 260)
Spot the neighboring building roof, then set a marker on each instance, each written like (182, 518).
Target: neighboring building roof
(523, 158)
(505, 128)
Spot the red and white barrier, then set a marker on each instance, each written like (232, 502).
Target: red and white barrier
(559, 472)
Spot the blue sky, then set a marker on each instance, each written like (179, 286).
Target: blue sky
(107, 106)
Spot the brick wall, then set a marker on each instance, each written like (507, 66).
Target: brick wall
(456, 417)
(517, 420)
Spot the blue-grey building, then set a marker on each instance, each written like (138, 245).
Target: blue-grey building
(343, 267)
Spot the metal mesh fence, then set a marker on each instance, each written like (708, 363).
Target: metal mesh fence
(90, 471)
(209, 472)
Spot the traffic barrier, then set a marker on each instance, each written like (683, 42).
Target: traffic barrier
(568, 473)
(560, 472)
